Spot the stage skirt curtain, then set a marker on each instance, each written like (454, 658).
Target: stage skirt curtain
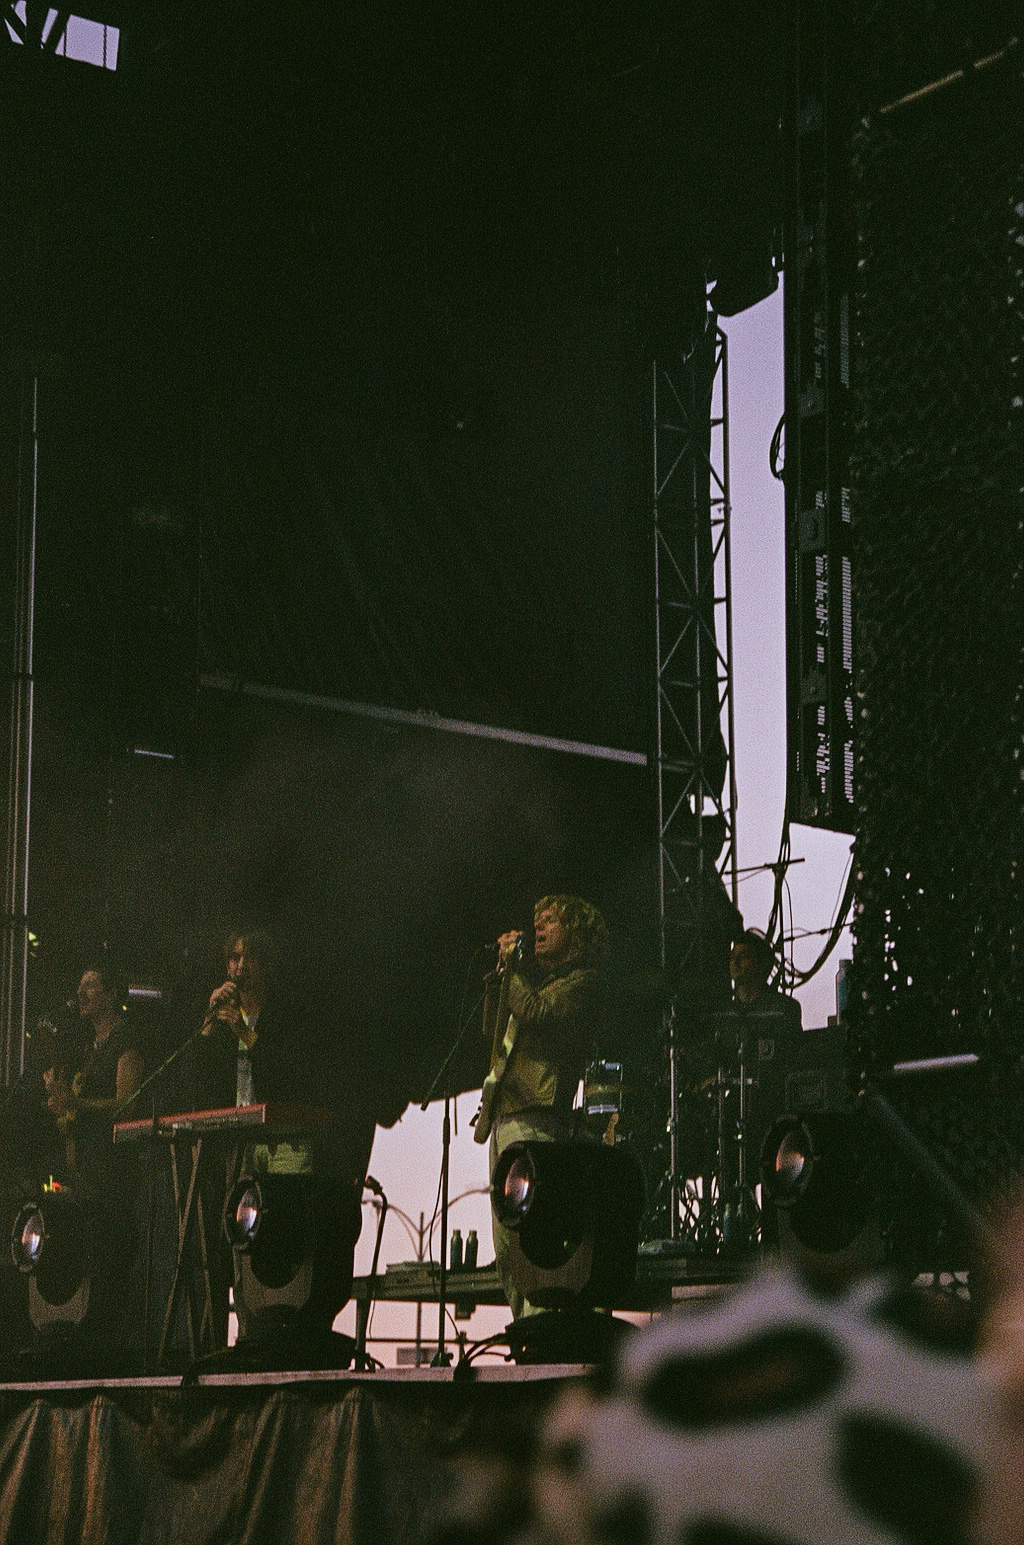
(238, 1466)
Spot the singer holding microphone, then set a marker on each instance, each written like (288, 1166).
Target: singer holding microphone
(539, 1017)
(233, 1027)
(255, 1047)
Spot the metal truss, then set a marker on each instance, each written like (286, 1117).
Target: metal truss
(42, 25)
(696, 784)
(695, 775)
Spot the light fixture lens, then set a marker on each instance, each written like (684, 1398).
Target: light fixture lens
(792, 1165)
(28, 1238)
(243, 1214)
(517, 1192)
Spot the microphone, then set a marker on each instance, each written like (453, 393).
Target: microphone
(232, 998)
(51, 1020)
(517, 953)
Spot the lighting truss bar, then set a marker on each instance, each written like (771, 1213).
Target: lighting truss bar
(422, 720)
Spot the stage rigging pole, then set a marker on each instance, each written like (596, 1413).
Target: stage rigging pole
(14, 982)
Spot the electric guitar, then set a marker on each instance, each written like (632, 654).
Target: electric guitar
(500, 1054)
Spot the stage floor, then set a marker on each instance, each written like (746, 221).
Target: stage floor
(487, 1374)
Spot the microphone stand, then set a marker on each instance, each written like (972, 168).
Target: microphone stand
(158, 1073)
(442, 1357)
(147, 1083)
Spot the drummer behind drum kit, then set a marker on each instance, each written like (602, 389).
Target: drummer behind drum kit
(751, 1068)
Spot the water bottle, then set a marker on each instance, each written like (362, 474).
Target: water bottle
(472, 1247)
(456, 1258)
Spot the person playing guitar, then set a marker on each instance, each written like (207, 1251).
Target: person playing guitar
(84, 1103)
(539, 1018)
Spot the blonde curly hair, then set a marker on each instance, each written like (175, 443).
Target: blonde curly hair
(586, 928)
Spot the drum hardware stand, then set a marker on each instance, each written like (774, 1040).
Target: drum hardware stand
(726, 1218)
(668, 1194)
(685, 1208)
(739, 1220)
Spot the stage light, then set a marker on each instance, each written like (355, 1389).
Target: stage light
(49, 1245)
(292, 1240)
(572, 1211)
(243, 1214)
(517, 1191)
(790, 1173)
(269, 1223)
(27, 1237)
(818, 1202)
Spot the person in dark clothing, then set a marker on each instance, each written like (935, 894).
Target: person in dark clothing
(84, 1101)
(86, 1087)
(249, 1044)
(752, 963)
(253, 1049)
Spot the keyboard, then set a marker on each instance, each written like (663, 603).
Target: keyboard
(269, 1120)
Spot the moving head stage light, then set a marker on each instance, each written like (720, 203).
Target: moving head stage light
(292, 1241)
(269, 1225)
(78, 1263)
(573, 1215)
(819, 1205)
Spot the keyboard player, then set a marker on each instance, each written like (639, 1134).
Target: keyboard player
(255, 1047)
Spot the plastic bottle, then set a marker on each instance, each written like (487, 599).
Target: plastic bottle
(472, 1248)
(456, 1256)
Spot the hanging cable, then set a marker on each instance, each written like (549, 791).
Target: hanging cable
(776, 451)
(774, 926)
(842, 917)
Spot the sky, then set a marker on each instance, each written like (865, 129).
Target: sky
(406, 1158)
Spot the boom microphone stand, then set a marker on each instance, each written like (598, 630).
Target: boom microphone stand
(147, 1084)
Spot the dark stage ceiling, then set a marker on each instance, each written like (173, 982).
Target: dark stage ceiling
(343, 319)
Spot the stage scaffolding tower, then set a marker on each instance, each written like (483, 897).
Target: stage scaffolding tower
(695, 772)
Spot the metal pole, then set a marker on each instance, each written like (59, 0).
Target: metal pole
(14, 984)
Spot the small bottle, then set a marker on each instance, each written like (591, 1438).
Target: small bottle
(456, 1257)
(472, 1247)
